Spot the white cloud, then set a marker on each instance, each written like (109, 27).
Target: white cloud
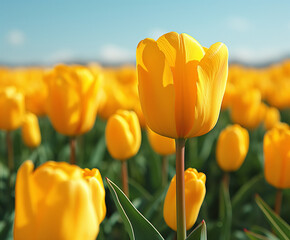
(115, 54)
(62, 55)
(156, 33)
(250, 55)
(239, 24)
(15, 38)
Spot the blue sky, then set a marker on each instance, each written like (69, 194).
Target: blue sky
(47, 32)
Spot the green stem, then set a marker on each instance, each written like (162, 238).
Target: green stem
(164, 170)
(226, 179)
(125, 178)
(278, 201)
(72, 151)
(10, 151)
(180, 195)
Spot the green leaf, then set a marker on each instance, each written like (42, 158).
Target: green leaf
(281, 228)
(137, 226)
(199, 233)
(225, 212)
(255, 236)
(265, 232)
(245, 191)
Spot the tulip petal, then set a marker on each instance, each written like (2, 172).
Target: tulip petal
(156, 90)
(98, 197)
(211, 84)
(58, 221)
(12, 108)
(24, 203)
(63, 105)
(161, 145)
(89, 102)
(119, 137)
(277, 158)
(183, 53)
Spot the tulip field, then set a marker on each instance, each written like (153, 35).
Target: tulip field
(182, 145)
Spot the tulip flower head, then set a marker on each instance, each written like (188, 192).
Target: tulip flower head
(123, 134)
(72, 100)
(30, 130)
(232, 147)
(194, 195)
(181, 84)
(58, 201)
(161, 145)
(247, 108)
(277, 157)
(35, 91)
(272, 117)
(12, 108)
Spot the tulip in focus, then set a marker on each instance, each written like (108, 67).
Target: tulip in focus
(277, 157)
(272, 117)
(123, 135)
(12, 108)
(161, 145)
(72, 100)
(232, 148)
(58, 201)
(194, 195)
(181, 84)
(30, 130)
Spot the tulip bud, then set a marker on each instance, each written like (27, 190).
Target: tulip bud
(123, 134)
(277, 157)
(12, 108)
(232, 148)
(58, 201)
(161, 145)
(30, 130)
(72, 100)
(181, 84)
(194, 183)
(272, 117)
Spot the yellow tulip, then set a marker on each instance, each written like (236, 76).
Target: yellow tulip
(123, 134)
(277, 157)
(12, 108)
(112, 99)
(72, 99)
(30, 130)
(58, 201)
(138, 110)
(232, 147)
(229, 93)
(272, 117)
(120, 91)
(282, 125)
(161, 145)
(181, 84)
(36, 91)
(194, 194)
(247, 108)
